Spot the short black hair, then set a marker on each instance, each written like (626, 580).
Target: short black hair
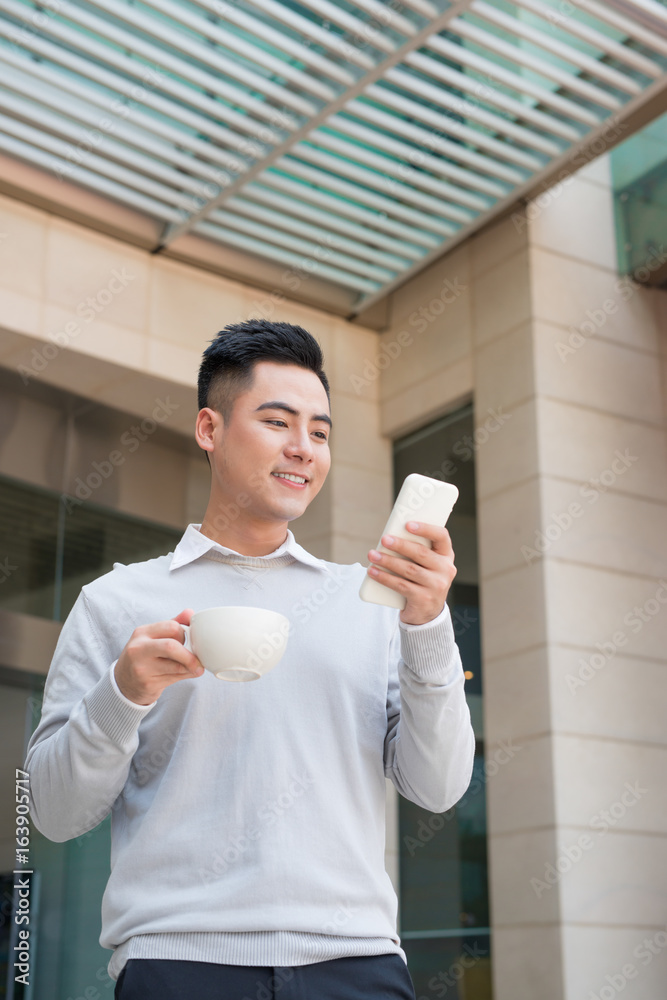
(227, 364)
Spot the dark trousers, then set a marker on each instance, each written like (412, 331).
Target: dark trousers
(373, 977)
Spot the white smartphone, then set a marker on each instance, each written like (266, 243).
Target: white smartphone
(421, 499)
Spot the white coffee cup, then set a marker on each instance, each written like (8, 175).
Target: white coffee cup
(237, 643)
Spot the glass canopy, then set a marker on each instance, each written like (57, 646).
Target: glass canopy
(639, 174)
(350, 143)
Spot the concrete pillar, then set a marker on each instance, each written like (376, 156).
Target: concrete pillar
(572, 486)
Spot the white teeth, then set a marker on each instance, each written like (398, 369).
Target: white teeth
(285, 475)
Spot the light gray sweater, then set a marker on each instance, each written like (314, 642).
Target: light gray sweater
(248, 819)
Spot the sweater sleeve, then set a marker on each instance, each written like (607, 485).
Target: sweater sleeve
(430, 744)
(79, 756)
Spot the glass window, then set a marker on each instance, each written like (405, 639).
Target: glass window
(67, 910)
(55, 544)
(444, 903)
(639, 174)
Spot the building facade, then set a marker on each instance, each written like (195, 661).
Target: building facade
(523, 366)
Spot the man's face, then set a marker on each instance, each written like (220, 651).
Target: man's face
(259, 441)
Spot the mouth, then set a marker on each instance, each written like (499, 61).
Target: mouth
(294, 481)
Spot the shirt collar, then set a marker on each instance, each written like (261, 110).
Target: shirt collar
(194, 544)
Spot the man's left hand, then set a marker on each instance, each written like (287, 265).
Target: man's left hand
(424, 577)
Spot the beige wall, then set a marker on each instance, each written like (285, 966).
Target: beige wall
(425, 357)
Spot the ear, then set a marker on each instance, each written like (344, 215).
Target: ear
(207, 427)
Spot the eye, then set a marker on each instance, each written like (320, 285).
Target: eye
(321, 434)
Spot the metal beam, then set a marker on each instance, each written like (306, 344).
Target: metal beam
(584, 63)
(635, 114)
(648, 12)
(409, 237)
(613, 49)
(65, 95)
(129, 69)
(372, 76)
(633, 29)
(521, 56)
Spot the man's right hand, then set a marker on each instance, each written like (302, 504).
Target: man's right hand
(154, 658)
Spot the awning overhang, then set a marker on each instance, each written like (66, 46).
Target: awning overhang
(322, 151)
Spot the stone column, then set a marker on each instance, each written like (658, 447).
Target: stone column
(572, 486)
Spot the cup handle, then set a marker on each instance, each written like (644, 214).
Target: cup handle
(187, 641)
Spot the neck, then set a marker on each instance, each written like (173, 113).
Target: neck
(257, 538)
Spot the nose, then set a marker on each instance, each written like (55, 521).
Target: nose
(300, 444)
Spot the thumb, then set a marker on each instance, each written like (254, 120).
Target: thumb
(184, 617)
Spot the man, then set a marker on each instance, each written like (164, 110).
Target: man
(248, 819)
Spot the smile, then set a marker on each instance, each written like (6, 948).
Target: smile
(296, 482)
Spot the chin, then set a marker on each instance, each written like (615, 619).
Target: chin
(294, 510)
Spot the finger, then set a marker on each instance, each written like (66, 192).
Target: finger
(168, 679)
(439, 536)
(180, 672)
(184, 617)
(397, 583)
(168, 629)
(170, 651)
(422, 554)
(405, 568)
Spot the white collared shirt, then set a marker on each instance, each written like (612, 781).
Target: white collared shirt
(194, 544)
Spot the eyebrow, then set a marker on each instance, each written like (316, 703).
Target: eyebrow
(275, 404)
